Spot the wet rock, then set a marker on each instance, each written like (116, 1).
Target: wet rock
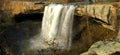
(111, 47)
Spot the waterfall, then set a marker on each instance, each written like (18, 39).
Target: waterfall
(57, 25)
(56, 31)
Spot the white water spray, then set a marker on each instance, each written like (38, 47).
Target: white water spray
(56, 29)
(57, 25)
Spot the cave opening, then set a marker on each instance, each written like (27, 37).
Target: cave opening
(22, 17)
(81, 26)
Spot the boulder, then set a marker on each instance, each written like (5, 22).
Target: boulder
(110, 47)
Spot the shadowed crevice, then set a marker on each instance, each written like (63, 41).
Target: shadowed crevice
(28, 17)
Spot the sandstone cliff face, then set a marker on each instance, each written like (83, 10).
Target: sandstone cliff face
(111, 47)
(86, 30)
(106, 47)
(16, 7)
(106, 13)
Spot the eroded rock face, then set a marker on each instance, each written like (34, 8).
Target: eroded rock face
(104, 12)
(104, 48)
(16, 7)
(85, 32)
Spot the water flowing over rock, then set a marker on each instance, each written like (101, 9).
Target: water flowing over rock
(103, 12)
(27, 38)
(57, 26)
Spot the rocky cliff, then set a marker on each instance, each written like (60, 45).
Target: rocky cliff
(21, 21)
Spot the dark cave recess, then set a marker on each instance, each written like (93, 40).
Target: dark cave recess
(28, 17)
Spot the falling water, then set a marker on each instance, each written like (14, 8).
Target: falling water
(56, 31)
(57, 25)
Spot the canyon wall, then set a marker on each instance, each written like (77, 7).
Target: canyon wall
(14, 36)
